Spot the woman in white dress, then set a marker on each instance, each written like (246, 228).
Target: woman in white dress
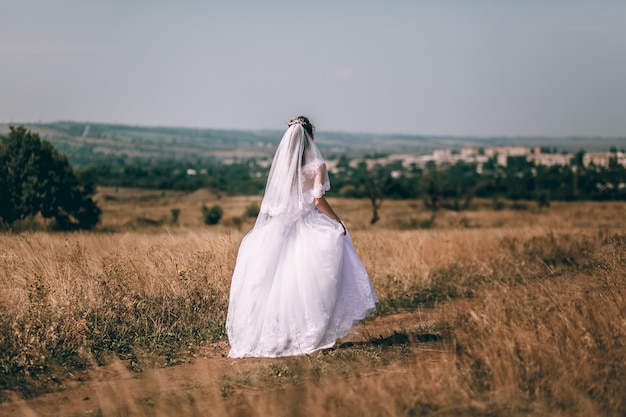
(298, 284)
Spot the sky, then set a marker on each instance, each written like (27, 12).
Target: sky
(440, 67)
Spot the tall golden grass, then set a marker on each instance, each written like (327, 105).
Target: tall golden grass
(504, 313)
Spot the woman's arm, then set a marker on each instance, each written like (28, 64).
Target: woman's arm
(323, 206)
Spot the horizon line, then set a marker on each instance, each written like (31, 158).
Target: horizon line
(232, 129)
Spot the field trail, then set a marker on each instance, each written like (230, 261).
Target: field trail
(106, 387)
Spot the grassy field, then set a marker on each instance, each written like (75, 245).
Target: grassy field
(486, 313)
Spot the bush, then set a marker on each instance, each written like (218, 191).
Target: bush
(212, 215)
(252, 210)
(175, 213)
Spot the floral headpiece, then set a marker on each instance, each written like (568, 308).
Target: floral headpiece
(296, 122)
(301, 121)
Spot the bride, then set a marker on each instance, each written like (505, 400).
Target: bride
(298, 284)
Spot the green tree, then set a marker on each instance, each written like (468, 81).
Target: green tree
(543, 199)
(35, 178)
(374, 182)
(462, 183)
(432, 184)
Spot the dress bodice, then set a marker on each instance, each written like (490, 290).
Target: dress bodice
(315, 182)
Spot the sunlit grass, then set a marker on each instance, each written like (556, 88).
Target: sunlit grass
(521, 318)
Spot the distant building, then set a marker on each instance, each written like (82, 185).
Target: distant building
(468, 152)
(599, 159)
(551, 159)
(442, 155)
(507, 150)
(502, 154)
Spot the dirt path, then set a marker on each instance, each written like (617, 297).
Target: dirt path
(104, 387)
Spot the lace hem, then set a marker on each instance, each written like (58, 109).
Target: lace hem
(312, 173)
(320, 190)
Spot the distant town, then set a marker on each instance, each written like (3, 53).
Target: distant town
(448, 170)
(501, 154)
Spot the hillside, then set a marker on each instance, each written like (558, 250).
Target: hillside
(85, 143)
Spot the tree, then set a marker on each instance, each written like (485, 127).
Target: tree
(374, 181)
(35, 178)
(543, 199)
(462, 183)
(433, 189)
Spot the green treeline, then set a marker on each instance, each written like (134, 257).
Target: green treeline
(38, 180)
(455, 185)
(238, 178)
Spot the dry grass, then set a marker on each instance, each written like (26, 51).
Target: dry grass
(513, 313)
(71, 299)
(129, 209)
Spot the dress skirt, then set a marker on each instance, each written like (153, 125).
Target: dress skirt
(297, 287)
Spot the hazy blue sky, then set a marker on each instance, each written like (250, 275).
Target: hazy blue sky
(466, 67)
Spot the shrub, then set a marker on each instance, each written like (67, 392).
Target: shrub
(175, 214)
(212, 215)
(252, 210)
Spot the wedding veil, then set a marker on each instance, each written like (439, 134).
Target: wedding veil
(284, 192)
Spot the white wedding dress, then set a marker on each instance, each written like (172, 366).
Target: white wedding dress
(298, 284)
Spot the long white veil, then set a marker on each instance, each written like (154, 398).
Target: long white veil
(285, 193)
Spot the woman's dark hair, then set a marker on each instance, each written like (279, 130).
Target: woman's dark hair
(305, 122)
